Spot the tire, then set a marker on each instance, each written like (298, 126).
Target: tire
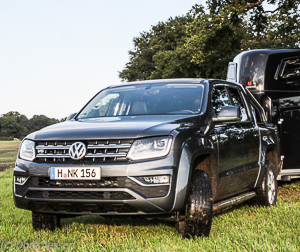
(198, 213)
(267, 190)
(45, 221)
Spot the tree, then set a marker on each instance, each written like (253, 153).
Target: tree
(214, 39)
(38, 122)
(201, 43)
(12, 124)
(15, 125)
(234, 26)
(282, 26)
(140, 65)
(155, 53)
(171, 59)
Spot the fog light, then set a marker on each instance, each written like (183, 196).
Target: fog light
(157, 179)
(20, 180)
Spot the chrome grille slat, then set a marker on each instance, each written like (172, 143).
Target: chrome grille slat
(53, 155)
(91, 155)
(97, 150)
(58, 147)
(111, 146)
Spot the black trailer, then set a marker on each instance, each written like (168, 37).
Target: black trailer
(273, 77)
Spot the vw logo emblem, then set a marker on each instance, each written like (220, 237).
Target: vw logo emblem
(77, 150)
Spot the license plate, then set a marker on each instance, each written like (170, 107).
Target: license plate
(77, 173)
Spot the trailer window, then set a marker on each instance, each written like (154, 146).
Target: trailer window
(288, 68)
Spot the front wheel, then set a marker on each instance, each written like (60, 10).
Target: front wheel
(45, 221)
(267, 190)
(198, 213)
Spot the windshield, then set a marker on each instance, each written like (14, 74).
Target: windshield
(145, 99)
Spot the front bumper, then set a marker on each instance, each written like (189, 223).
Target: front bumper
(119, 191)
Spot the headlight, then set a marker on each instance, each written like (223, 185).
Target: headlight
(150, 148)
(27, 150)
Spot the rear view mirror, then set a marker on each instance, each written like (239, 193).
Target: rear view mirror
(71, 116)
(231, 72)
(229, 114)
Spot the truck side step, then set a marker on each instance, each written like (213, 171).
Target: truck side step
(233, 201)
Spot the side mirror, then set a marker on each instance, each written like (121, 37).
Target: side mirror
(229, 114)
(71, 116)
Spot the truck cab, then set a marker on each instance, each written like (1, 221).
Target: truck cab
(178, 149)
(273, 77)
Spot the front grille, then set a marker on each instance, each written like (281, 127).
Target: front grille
(78, 195)
(97, 151)
(104, 182)
(109, 182)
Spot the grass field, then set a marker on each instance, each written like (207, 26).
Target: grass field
(8, 154)
(240, 228)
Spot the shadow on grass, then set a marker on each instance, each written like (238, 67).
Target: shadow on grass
(138, 220)
(116, 220)
(231, 209)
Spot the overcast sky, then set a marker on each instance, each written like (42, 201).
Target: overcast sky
(56, 54)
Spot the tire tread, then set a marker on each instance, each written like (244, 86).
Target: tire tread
(262, 191)
(198, 217)
(45, 221)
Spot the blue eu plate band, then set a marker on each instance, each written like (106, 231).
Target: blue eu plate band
(52, 173)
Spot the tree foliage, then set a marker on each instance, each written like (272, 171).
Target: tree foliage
(157, 53)
(15, 125)
(202, 42)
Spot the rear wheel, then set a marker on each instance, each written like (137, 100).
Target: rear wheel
(198, 213)
(267, 190)
(45, 221)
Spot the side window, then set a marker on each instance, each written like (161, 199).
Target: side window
(219, 99)
(237, 100)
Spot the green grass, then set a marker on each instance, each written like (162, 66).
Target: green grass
(8, 154)
(240, 228)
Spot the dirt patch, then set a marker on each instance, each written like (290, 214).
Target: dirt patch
(7, 151)
(4, 167)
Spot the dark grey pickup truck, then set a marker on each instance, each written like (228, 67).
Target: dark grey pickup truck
(177, 149)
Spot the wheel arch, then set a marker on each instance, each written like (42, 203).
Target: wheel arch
(188, 163)
(273, 156)
(270, 147)
(207, 162)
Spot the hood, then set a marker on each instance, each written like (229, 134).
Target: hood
(115, 127)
